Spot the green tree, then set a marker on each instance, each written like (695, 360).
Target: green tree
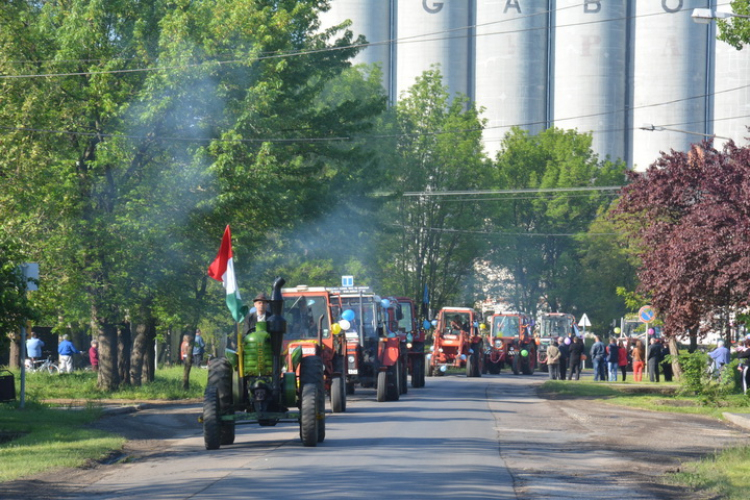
(430, 240)
(162, 123)
(15, 308)
(536, 244)
(736, 30)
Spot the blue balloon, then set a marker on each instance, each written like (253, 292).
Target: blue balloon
(434, 322)
(348, 315)
(426, 325)
(385, 303)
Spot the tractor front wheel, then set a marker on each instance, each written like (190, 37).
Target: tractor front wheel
(308, 419)
(338, 395)
(211, 419)
(417, 372)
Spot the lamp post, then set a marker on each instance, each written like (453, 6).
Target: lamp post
(705, 16)
(650, 127)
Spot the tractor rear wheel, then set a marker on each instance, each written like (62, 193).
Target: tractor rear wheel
(320, 417)
(403, 381)
(338, 395)
(470, 365)
(393, 376)
(211, 419)
(308, 418)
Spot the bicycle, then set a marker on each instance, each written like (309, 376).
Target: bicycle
(42, 366)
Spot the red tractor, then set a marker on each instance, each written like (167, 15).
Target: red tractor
(512, 344)
(415, 340)
(311, 331)
(456, 342)
(374, 351)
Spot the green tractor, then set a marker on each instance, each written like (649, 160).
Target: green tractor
(249, 387)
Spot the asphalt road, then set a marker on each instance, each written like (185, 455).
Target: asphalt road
(456, 438)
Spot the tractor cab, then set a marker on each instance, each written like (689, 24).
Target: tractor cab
(456, 343)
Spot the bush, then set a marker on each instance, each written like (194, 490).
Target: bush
(699, 379)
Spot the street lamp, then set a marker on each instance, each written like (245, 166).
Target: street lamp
(705, 16)
(650, 127)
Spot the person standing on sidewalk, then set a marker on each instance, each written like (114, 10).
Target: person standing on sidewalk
(564, 346)
(613, 359)
(576, 353)
(622, 359)
(639, 357)
(654, 359)
(553, 361)
(66, 350)
(597, 358)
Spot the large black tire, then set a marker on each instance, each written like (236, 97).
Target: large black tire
(311, 370)
(211, 419)
(338, 395)
(403, 379)
(470, 365)
(320, 417)
(220, 376)
(308, 418)
(393, 376)
(417, 371)
(514, 364)
(382, 388)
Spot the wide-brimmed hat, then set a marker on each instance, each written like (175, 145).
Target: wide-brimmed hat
(261, 297)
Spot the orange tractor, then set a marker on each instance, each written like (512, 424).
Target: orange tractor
(311, 331)
(510, 343)
(457, 342)
(415, 340)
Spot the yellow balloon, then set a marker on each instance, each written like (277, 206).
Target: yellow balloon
(336, 329)
(617, 330)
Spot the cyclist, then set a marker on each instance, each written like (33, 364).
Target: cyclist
(33, 349)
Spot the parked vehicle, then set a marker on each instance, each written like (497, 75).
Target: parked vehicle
(374, 354)
(249, 387)
(456, 342)
(311, 331)
(552, 326)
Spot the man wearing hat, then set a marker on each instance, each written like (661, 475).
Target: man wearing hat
(261, 305)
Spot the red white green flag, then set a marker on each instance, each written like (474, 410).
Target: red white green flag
(222, 269)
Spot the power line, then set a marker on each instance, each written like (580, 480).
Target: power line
(501, 234)
(512, 191)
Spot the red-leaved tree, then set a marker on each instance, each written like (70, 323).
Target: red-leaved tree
(691, 214)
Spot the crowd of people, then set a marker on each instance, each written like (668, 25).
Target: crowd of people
(566, 355)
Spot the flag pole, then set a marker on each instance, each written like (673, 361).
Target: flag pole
(240, 351)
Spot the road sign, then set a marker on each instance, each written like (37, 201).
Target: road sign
(646, 314)
(347, 281)
(584, 321)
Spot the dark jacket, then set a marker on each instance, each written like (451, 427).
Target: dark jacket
(655, 352)
(576, 350)
(613, 354)
(597, 350)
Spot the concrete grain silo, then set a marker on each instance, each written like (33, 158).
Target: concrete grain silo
(374, 20)
(670, 78)
(731, 89)
(511, 80)
(590, 71)
(435, 32)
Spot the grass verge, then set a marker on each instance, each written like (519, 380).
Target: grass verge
(41, 437)
(719, 475)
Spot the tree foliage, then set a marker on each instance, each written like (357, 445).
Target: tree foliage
(691, 211)
(736, 30)
(534, 238)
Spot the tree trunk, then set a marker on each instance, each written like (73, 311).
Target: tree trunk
(15, 349)
(109, 377)
(138, 355)
(674, 351)
(124, 349)
(693, 332)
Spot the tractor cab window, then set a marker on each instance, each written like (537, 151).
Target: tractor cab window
(506, 326)
(406, 322)
(458, 322)
(303, 315)
(369, 320)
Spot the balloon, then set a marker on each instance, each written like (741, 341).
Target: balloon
(482, 326)
(434, 322)
(344, 324)
(252, 310)
(617, 330)
(348, 315)
(336, 329)
(524, 352)
(567, 340)
(385, 303)
(651, 331)
(426, 325)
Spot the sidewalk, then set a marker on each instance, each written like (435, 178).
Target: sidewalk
(740, 419)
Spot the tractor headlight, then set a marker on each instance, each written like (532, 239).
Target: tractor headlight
(352, 360)
(498, 344)
(409, 345)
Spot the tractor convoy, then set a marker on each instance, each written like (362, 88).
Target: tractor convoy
(316, 342)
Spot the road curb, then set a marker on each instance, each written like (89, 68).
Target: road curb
(740, 419)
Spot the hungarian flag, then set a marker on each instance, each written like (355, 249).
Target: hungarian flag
(222, 269)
